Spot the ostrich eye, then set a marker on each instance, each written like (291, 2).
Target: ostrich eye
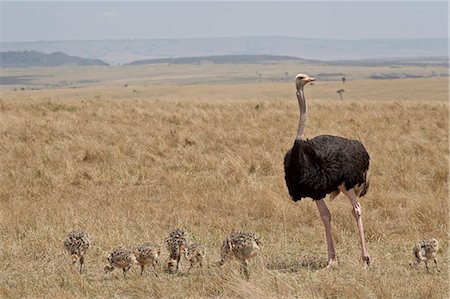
(301, 78)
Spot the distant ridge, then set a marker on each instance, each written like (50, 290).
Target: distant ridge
(392, 62)
(126, 51)
(17, 59)
(23, 59)
(220, 59)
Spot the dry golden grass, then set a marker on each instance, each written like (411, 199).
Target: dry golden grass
(164, 74)
(129, 166)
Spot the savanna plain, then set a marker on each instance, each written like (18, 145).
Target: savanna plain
(130, 163)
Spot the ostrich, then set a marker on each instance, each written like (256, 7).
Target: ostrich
(76, 243)
(195, 254)
(340, 91)
(425, 251)
(327, 165)
(241, 246)
(176, 243)
(120, 258)
(146, 254)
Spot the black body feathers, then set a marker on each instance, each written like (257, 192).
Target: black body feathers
(313, 168)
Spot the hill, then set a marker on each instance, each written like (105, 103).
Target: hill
(15, 59)
(125, 51)
(220, 59)
(394, 62)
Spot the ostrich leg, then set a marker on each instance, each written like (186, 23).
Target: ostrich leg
(326, 218)
(81, 262)
(357, 213)
(435, 262)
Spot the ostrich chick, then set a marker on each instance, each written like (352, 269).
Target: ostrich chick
(76, 243)
(120, 258)
(195, 254)
(241, 246)
(147, 253)
(426, 250)
(176, 243)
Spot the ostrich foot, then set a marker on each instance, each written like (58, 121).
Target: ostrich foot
(366, 260)
(332, 264)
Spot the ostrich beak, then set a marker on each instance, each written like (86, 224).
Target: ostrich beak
(311, 79)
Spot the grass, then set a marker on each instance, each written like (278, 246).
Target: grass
(129, 166)
(210, 74)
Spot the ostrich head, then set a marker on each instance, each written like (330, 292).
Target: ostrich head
(301, 80)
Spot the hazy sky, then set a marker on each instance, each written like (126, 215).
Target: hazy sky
(65, 20)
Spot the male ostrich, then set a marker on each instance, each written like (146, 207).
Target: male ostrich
(327, 164)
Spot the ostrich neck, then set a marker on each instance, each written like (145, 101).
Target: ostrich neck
(187, 256)
(303, 112)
